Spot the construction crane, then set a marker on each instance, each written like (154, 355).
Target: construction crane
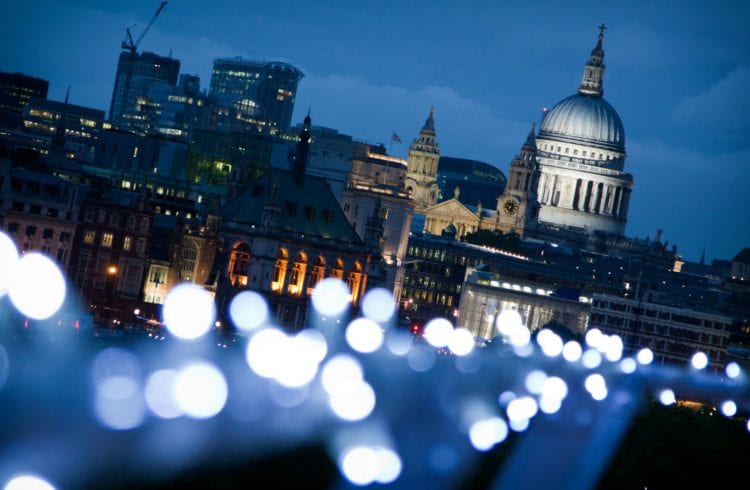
(128, 43)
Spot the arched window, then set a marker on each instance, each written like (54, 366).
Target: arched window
(239, 264)
(316, 274)
(354, 281)
(337, 270)
(297, 277)
(279, 270)
(144, 225)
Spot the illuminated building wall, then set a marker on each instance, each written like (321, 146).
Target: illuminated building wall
(16, 89)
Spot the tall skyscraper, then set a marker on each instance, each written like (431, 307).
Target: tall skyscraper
(136, 74)
(271, 85)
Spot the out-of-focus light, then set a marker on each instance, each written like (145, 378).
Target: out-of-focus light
(390, 466)
(421, 359)
(298, 362)
(535, 381)
(645, 356)
(699, 360)
(666, 397)
(508, 321)
(159, 394)
(521, 408)
(461, 342)
(438, 332)
(360, 465)
(591, 359)
(398, 342)
(114, 362)
(248, 310)
(118, 402)
(748, 425)
(27, 482)
(485, 434)
(331, 297)
(353, 400)
(265, 351)
(340, 370)
(628, 365)
(37, 288)
(554, 387)
(124, 412)
(364, 335)
(519, 425)
(549, 405)
(729, 408)
(550, 342)
(200, 390)
(8, 260)
(378, 305)
(572, 351)
(188, 311)
(613, 348)
(733, 370)
(596, 386)
(594, 337)
(505, 398)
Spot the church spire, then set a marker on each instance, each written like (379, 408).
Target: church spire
(429, 124)
(593, 72)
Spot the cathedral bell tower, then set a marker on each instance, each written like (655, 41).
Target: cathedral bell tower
(421, 179)
(518, 207)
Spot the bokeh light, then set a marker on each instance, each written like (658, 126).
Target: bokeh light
(378, 305)
(360, 465)
(645, 356)
(331, 297)
(160, 394)
(550, 342)
(628, 365)
(340, 370)
(189, 311)
(438, 332)
(352, 400)
(699, 360)
(591, 359)
(535, 381)
(594, 337)
(596, 386)
(733, 370)
(521, 408)
(200, 390)
(390, 466)
(248, 310)
(37, 288)
(572, 351)
(364, 335)
(27, 481)
(729, 408)
(666, 397)
(487, 433)
(461, 342)
(265, 351)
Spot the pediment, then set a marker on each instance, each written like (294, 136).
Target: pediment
(452, 208)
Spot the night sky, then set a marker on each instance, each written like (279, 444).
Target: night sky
(678, 73)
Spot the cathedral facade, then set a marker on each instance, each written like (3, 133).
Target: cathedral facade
(581, 155)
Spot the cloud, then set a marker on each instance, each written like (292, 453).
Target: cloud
(724, 105)
(696, 197)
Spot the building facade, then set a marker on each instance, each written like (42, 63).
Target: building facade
(136, 74)
(581, 153)
(16, 90)
(270, 85)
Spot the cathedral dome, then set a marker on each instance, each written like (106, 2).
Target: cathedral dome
(587, 120)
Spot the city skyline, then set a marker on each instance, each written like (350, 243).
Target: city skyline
(676, 77)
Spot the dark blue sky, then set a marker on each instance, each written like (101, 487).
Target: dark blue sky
(677, 72)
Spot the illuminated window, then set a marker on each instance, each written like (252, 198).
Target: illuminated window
(127, 242)
(107, 239)
(89, 237)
